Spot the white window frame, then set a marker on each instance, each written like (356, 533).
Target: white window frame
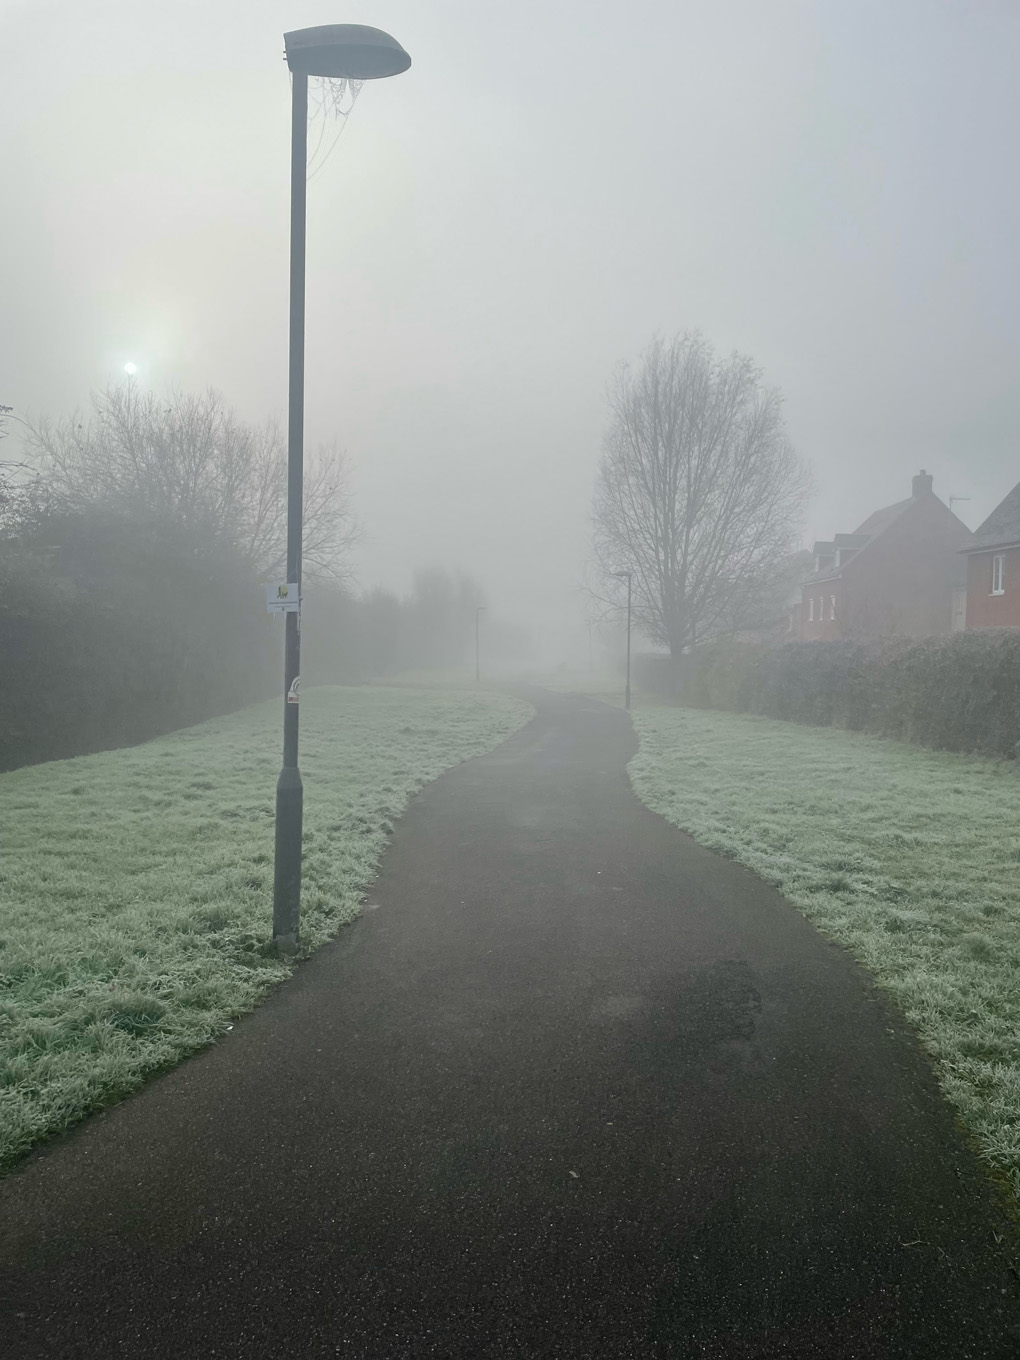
(811, 609)
(999, 574)
(832, 608)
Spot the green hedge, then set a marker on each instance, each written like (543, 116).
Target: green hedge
(111, 633)
(957, 693)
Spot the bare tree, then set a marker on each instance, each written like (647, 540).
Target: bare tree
(189, 461)
(699, 493)
(21, 499)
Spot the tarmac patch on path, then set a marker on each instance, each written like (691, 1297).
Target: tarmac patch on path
(575, 1087)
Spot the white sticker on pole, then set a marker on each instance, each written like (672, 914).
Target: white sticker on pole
(294, 693)
(284, 599)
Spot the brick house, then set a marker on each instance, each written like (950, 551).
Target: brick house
(900, 572)
(993, 568)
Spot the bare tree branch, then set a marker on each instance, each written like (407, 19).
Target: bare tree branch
(699, 493)
(189, 461)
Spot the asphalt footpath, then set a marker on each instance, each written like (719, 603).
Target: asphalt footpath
(571, 1087)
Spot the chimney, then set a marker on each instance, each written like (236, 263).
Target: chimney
(922, 483)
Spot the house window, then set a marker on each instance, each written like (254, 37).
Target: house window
(999, 574)
(832, 606)
(811, 609)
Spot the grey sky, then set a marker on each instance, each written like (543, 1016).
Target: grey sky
(830, 187)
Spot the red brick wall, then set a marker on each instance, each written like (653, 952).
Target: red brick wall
(823, 628)
(985, 610)
(901, 583)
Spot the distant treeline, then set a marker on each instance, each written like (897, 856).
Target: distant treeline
(349, 639)
(956, 693)
(112, 632)
(132, 564)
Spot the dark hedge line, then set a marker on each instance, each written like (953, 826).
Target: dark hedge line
(957, 693)
(111, 634)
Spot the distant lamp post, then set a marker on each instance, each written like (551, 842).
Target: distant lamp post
(478, 655)
(333, 52)
(629, 575)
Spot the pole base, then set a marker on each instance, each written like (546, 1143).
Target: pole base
(286, 945)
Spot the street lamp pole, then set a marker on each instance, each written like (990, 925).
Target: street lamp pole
(629, 575)
(289, 789)
(332, 52)
(478, 655)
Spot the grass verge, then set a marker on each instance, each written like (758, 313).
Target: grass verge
(136, 888)
(909, 858)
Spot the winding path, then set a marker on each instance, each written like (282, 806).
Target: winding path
(572, 1087)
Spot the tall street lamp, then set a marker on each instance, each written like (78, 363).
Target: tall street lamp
(333, 52)
(478, 655)
(629, 575)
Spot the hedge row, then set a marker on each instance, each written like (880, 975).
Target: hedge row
(110, 635)
(113, 631)
(957, 693)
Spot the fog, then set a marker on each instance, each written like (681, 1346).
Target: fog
(827, 187)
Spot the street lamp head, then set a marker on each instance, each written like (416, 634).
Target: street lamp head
(344, 52)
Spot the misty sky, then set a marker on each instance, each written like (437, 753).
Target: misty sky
(830, 187)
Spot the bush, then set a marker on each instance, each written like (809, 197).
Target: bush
(957, 693)
(115, 629)
(113, 632)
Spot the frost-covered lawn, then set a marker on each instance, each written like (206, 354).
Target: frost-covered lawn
(909, 858)
(136, 885)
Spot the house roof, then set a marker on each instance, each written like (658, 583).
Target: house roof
(874, 525)
(1001, 527)
(881, 519)
(1005, 519)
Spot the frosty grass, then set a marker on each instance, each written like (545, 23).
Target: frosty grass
(909, 858)
(136, 885)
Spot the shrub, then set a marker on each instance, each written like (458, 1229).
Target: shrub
(957, 693)
(113, 632)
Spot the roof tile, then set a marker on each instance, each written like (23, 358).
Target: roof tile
(1002, 526)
